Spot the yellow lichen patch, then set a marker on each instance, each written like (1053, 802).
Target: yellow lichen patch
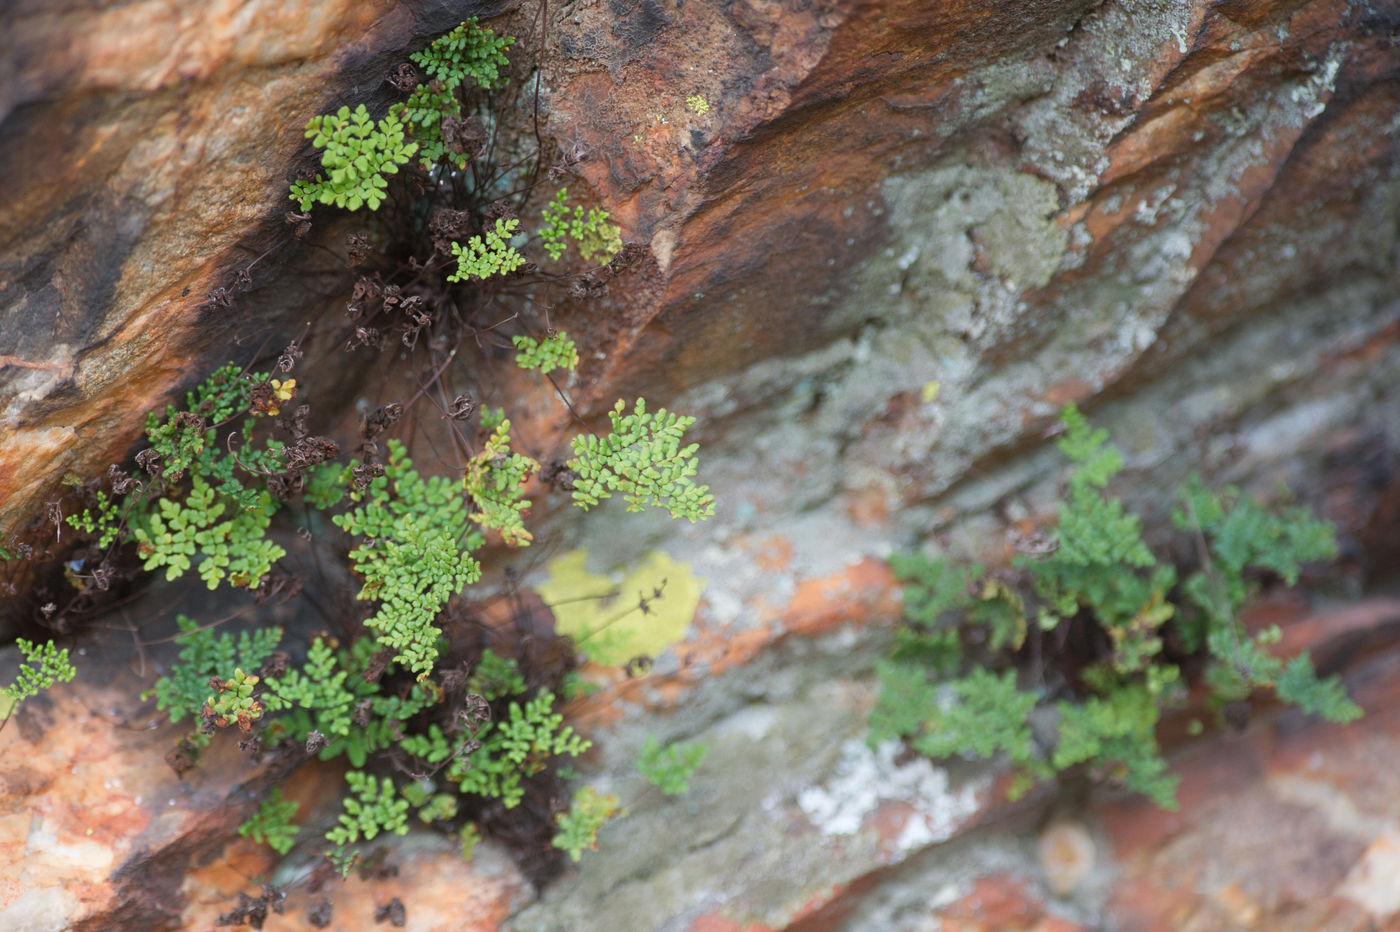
(605, 615)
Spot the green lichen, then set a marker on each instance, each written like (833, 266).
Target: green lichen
(604, 615)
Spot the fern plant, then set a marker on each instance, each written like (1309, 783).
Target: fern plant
(182, 438)
(205, 654)
(330, 696)
(496, 677)
(201, 514)
(669, 769)
(1101, 564)
(179, 531)
(488, 254)
(555, 351)
(233, 701)
(467, 53)
(370, 807)
(432, 807)
(358, 153)
(643, 459)
(1098, 572)
(516, 748)
(272, 823)
(470, 837)
(413, 536)
(441, 739)
(333, 700)
(598, 239)
(414, 555)
(495, 479)
(578, 827)
(43, 666)
(1115, 731)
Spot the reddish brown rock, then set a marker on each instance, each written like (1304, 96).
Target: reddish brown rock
(147, 150)
(994, 903)
(1190, 170)
(98, 832)
(876, 246)
(1288, 825)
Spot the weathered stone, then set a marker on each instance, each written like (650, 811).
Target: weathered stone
(877, 247)
(1285, 826)
(97, 830)
(1066, 853)
(92, 811)
(1067, 197)
(148, 148)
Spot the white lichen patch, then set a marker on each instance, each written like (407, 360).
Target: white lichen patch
(754, 722)
(1314, 93)
(865, 779)
(1371, 881)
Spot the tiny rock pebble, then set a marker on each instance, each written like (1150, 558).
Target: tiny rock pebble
(1066, 855)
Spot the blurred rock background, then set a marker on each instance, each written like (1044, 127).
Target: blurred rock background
(894, 241)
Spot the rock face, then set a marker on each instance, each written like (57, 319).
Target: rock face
(1062, 201)
(149, 147)
(1029, 205)
(885, 242)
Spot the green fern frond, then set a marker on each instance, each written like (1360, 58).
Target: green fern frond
(43, 665)
(598, 239)
(204, 654)
(272, 823)
(331, 696)
(370, 808)
(468, 51)
(643, 459)
(1099, 572)
(1095, 463)
(669, 769)
(496, 677)
(413, 556)
(1116, 732)
(495, 479)
(578, 827)
(489, 254)
(1298, 684)
(555, 351)
(516, 748)
(358, 154)
(988, 713)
